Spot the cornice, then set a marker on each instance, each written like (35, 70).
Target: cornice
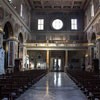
(92, 20)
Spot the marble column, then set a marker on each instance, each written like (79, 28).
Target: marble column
(47, 59)
(1, 37)
(90, 55)
(98, 50)
(66, 60)
(2, 53)
(25, 56)
(11, 53)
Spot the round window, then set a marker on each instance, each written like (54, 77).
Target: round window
(57, 24)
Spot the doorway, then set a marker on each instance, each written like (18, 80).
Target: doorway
(56, 64)
(57, 60)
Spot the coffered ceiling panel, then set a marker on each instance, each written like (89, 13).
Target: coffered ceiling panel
(57, 4)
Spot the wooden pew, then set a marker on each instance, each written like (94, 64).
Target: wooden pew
(12, 85)
(88, 82)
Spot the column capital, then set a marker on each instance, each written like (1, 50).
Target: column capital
(91, 44)
(1, 31)
(22, 45)
(13, 39)
(98, 40)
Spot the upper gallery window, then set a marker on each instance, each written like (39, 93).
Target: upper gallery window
(10, 1)
(92, 9)
(21, 10)
(74, 24)
(57, 24)
(40, 24)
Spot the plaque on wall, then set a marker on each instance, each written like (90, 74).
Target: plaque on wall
(2, 54)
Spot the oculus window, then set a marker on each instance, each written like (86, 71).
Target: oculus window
(57, 24)
(40, 24)
(74, 24)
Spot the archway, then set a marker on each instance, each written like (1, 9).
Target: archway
(93, 38)
(20, 46)
(20, 50)
(57, 60)
(8, 33)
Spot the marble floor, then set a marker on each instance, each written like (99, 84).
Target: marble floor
(54, 86)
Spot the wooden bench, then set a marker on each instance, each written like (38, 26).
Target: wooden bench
(88, 82)
(12, 85)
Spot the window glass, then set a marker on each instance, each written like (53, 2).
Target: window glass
(40, 24)
(57, 24)
(74, 24)
(92, 9)
(21, 10)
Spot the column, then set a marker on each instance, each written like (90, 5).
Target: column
(11, 53)
(1, 37)
(47, 60)
(24, 58)
(2, 53)
(90, 53)
(98, 51)
(66, 60)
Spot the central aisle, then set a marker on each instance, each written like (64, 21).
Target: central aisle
(54, 86)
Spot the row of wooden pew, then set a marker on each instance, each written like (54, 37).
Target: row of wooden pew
(12, 85)
(88, 82)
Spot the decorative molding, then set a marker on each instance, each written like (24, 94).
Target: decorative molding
(53, 46)
(90, 44)
(92, 20)
(1, 30)
(13, 39)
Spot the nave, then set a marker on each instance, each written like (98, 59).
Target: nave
(54, 86)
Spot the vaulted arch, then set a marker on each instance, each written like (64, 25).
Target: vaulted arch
(8, 30)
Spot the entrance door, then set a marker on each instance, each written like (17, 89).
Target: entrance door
(56, 64)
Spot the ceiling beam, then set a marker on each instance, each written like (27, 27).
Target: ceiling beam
(42, 4)
(72, 4)
(63, 3)
(82, 5)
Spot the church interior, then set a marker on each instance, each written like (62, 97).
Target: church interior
(49, 49)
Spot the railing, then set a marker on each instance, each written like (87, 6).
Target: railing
(54, 44)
